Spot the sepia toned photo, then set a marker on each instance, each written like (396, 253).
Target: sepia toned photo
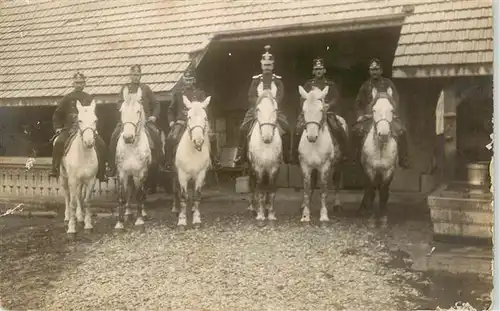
(246, 155)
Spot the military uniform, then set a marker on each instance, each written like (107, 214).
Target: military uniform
(177, 117)
(364, 101)
(260, 82)
(332, 100)
(151, 109)
(64, 120)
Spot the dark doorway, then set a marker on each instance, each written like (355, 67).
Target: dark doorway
(227, 69)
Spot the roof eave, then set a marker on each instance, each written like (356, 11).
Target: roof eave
(442, 71)
(351, 24)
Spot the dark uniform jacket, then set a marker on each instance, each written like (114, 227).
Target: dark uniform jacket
(364, 98)
(265, 82)
(333, 94)
(149, 102)
(66, 112)
(177, 110)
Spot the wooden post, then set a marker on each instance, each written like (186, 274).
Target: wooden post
(450, 132)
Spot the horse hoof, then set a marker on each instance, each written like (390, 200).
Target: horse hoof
(338, 208)
(71, 236)
(89, 230)
(197, 226)
(323, 224)
(181, 228)
(119, 226)
(261, 223)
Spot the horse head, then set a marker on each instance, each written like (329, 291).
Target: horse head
(197, 121)
(314, 108)
(266, 111)
(132, 115)
(383, 113)
(87, 123)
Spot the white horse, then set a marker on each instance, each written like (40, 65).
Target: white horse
(133, 157)
(264, 153)
(192, 160)
(318, 151)
(379, 154)
(79, 168)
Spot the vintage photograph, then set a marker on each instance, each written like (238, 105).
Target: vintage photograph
(246, 155)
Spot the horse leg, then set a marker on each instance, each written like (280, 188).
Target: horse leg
(252, 196)
(383, 199)
(140, 197)
(65, 187)
(130, 188)
(175, 194)
(271, 195)
(122, 182)
(88, 189)
(73, 201)
(370, 197)
(306, 200)
(337, 206)
(79, 209)
(261, 196)
(184, 195)
(324, 177)
(198, 185)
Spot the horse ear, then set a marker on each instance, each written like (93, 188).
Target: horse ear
(389, 91)
(374, 92)
(186, 101)
(206, 102)
(259, 92)
(139, 93)
(325, 91)
(302, 92)
(274, 91)
(78, 105)
(125, 92)
(93, 104)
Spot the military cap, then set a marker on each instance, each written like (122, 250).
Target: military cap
(267, 58)
(375, 63)
(135, 68)
(78, 76)
(318, 63)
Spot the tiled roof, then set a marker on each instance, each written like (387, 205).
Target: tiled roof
(42, 43)
(444, 32)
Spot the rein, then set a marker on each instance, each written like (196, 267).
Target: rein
(135, 125)
(321, 123)
(272, 125)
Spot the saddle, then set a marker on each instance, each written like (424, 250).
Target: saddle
(69, 141)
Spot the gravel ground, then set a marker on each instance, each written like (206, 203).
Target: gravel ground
(228, 264)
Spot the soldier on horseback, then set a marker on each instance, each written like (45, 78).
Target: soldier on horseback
(177, 113)
(64, 120)
(320, 81)
(364, 112)
(264, 81)
(152, 111)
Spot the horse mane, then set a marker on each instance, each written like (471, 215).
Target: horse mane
(266, 94)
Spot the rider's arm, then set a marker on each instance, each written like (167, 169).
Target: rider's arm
(361, 99)
(280, 92)
(155, 104)
(333, 98)
(172, 109)
(252, 92)
(58, 118)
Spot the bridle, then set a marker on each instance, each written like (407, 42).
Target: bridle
(272, 125)
(321, 122)
(135, 124)
(191, 129)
